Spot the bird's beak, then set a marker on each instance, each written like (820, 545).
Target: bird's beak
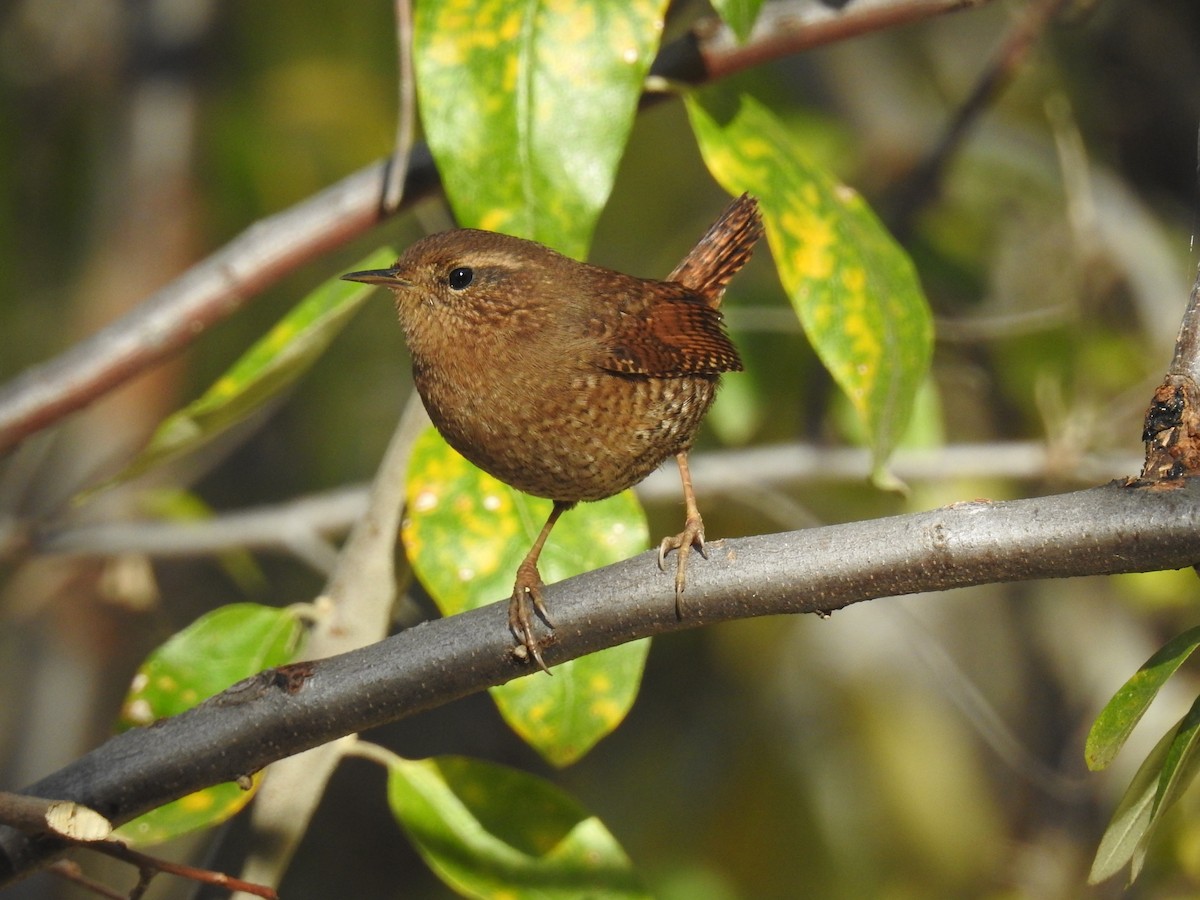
(386, 277)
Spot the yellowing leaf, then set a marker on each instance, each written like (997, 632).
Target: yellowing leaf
(853, 287)
(465, 534)
(527, 107)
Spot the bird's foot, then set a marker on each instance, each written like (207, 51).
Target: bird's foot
(526, 600)
(691, 536)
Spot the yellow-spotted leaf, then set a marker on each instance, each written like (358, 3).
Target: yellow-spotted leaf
(465, 534)
(527, 107)
(855, 290)
(217, 650)
(285, 353)
(489, 831)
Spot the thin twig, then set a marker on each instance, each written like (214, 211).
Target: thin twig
(153, 865)
(406, 112)
(268, 528)
(784, 29)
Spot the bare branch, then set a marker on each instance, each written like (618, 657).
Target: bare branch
(41, 816)
(406, 114)
(281, 527)
(783, 29)
(285, 711)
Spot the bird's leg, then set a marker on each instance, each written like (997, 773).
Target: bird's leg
(527, 592)
(691, 536)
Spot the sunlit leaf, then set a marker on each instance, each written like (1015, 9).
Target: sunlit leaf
(527, 107)
(855, 290)
(465, 534)
(490, 831)
(1122, 713)
(217, 650)
(285, 353)
(739, 15)
(563, 717)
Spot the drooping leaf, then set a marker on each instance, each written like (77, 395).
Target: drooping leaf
(739, 15)
(1125, 837)
(527, 107)
(855, 290)
(465, 534)
(285, 353)
(218, 649)
(489, 831)
(1122, 713)
(1179, 768)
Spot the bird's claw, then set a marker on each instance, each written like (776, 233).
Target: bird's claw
(526, 600)
(691, 536)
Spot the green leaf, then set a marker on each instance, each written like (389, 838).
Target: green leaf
(218, 649)
(465, 534)
(527, 107)
(1122, 713)
(490, 831)
(565, 716)
(739, 15)
(284, 354)
(1125, 838)
(855, 290)
(1179, 768)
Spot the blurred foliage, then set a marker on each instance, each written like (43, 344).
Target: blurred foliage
(1055, 259)
(525, 838)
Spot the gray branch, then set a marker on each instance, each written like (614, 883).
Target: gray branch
(1107, 530)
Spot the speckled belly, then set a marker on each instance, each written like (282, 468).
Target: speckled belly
(597, 438)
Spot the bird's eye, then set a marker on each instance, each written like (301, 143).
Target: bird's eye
(459, 278)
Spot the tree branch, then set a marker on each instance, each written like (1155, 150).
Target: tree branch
(285, 711)
(284, 527)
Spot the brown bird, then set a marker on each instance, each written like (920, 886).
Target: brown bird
(563, 379)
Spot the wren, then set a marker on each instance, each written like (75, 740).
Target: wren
(567, 380)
